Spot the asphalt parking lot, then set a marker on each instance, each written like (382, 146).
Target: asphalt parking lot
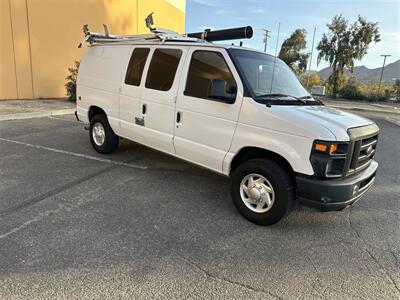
(141, 224)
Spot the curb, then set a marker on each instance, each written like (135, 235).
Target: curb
(393, 121)
(40, 114)
(363, 109)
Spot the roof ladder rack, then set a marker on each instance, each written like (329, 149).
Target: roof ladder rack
(162, 35)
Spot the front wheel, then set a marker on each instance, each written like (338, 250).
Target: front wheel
(102, 137)
(262, 191)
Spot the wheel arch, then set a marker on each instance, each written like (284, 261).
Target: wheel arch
(95, 110)
(247, 153)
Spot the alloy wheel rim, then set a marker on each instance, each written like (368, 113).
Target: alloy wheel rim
(98, 134)
(257, 193)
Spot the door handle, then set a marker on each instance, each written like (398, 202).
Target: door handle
(178, 117)
(144, 109)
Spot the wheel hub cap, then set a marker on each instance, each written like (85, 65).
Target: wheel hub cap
(257, 193)
(98, 134)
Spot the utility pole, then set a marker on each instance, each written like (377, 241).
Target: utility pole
(383, 68)
(311, 53)
(266, 36)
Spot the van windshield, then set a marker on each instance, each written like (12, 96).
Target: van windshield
(270, 79)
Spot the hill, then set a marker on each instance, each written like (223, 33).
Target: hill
(365, 75)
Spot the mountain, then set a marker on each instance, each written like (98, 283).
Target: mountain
(365, 75)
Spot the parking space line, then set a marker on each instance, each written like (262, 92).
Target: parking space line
(92, 195)
(104, 160)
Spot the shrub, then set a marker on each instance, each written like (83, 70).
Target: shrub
(71, 81)
(311, 80)
(352, 90)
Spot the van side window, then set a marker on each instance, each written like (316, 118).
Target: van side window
(209, 77)
(162, 69)
(136, 66)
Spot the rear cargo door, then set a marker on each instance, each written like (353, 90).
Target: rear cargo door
(130, 96)
(159, 96)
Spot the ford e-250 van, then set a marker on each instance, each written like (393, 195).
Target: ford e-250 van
(236, 111)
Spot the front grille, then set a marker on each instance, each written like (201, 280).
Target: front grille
(362, 147)
(364, 150)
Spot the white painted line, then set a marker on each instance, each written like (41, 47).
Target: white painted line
(27, 223)
(76, 202)
(92, 195)
(104, 160)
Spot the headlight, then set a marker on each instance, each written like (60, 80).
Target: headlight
(328, 158)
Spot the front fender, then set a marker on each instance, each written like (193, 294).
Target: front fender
(295, 149)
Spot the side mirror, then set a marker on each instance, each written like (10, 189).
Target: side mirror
(220, 90)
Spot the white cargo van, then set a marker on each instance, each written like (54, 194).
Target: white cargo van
(236, 111)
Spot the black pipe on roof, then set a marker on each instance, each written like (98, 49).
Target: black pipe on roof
(224, 34)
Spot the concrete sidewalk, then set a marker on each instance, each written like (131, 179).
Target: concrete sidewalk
(27, 109)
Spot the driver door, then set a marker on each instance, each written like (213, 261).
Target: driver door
(207, 108)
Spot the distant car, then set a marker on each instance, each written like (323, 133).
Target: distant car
(236, 111)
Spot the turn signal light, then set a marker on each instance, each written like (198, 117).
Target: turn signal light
(333, 148)
(321, 147)
(324, 148)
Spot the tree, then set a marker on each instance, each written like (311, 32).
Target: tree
(292, 51)
(344, 44)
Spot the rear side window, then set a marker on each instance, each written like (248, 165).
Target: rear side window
(209, 77)
(136, 66)
(162, 69)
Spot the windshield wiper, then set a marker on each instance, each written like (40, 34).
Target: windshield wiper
(306, 97)
(277, 95)
(310, 97)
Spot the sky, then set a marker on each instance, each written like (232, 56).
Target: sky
(293, 14)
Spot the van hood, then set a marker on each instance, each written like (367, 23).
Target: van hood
(309, 121)
(337, 121)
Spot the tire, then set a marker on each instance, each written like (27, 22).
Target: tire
(271, 184)
(105, 145)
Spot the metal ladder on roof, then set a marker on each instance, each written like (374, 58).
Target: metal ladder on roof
(157, 34)
(163, 35)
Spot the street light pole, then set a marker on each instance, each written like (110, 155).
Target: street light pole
(266, 36)
(383, 68)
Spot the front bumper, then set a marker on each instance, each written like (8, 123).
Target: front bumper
(335, 194)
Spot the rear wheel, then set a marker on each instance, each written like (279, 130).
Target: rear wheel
(102, 137)
(262, 191)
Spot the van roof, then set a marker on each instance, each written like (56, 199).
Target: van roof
(199, 43)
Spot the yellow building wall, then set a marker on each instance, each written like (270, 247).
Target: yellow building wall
(8, 83)
(39, 38)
